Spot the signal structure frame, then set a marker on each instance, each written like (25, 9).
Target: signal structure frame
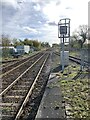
(64, 35)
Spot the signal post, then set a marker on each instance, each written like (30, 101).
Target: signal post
(64, 35)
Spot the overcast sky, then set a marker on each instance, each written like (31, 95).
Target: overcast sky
(38, 19)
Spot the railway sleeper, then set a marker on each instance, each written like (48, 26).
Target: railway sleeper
(8, 104)
(17, 92)
(5, 84)
(7, 117)
(26, 80)
(19, 87)
(9, 99)
(8, 110)
(22, 87)
(26, 83)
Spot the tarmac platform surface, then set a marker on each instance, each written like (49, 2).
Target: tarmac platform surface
(51, 105)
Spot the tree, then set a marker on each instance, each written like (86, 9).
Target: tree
(45, 44)
(5, 40)
(42, 44)
(80, 35)
(28, 42)
(36, 43)
(83, 31)
(74, 40)
(55, 45)
(88, 32)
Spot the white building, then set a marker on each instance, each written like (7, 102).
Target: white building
(21, 49)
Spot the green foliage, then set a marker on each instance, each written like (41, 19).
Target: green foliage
(87, 46)
(36, 43)
(6, 52)
(45, 44)
(54, 45)
(5, 40)
(75, 93)
(74, 44)
(28, 42)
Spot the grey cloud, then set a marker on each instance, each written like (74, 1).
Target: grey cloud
(8, 12)
(52, 23)
(58, 2)
(25, 14)
(68, 8)
(37, 7)
(15, 19)
(29, 29)
(63, 16)
(43, 2)
(13, 4)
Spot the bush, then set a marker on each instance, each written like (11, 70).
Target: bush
(6, 52)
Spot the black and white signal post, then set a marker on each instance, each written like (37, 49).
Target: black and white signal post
(64, 35)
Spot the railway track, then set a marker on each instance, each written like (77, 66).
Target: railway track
(9, 76)
(26, 86)
(78, 60)
(5, 65)
(12, 66)
(75, 59)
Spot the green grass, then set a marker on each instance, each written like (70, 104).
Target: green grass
(74, 53)
(75, 93)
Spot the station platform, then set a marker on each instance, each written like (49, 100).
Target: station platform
(51, 105)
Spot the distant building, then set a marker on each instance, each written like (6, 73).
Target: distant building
(21, 49)
(10, 47)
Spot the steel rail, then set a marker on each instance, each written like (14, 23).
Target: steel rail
(6, 89)
(15, 67)
(75, 59)
(72, 57)
(30, 91)
(7, 65)
(19, 60)
(8, 61)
